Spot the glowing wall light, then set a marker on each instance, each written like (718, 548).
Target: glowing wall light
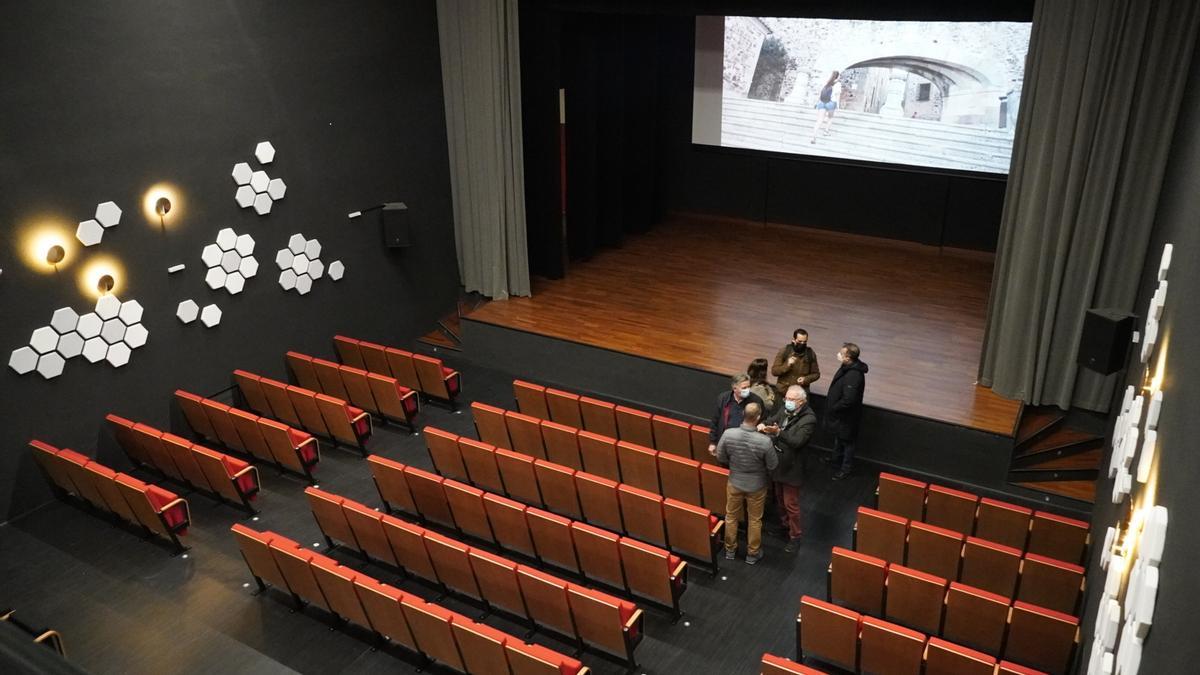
(160, 200)
(48, 246)
(100, 273)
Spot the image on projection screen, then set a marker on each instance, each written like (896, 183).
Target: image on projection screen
(941, 94)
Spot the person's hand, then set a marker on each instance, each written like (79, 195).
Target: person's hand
(771, 430)
(712, 449)
(791, 360)
(760, 426)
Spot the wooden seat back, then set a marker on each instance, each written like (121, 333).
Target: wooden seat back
(337, 417)
(392, 486)
(1041, 638)
(857, 581)
(713, 482)
(879, 534)
(639, 466)
(829, 632)
(348, 351)
(551, 535)
(642, 512)
(599, 554)
(564, 408)
(934, 550)
(602, 620)
(598, 417)
(451, 560)
(1051, 583)
(482, 647)
(370, 391)
(293, 562)
(946, 658)
(498, 583)
(329, 377)
(885, 647)
(990, 566)
(193, 411)
(599, 455)
(975, 618)
(690, 529)
(256, 551)
(1003, 523)
(392, 400)
(556, 484)
(431, 630)
(56, 468)
(337, 585)
(180, 451)
(479, 459)
(304, 402)
(1057, 537)
(525, 434)
(280, 401)
(401, 364)
(546, 599)
(777, 665)
(221, 418)
(382, 603)
(327, 509)
(531, 399)
(149, 440)
(490, 425)
(902, 496)
(251, 387)
(429, 496)
(431, 376)
(466, 505)
(520, 480)
(367, 526)
(509, 524)
(599, 501)
(652, 572)
(304, 371)
(672, 437)
(951, 509)
(443, 450)
(699, 437)
(408, 543)
(374, 359)
(562, 444)
(679, 478)
(255, 433)
(634, 426)
(915, 598)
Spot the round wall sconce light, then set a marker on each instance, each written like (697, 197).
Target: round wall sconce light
(105, 284)
(55, 254)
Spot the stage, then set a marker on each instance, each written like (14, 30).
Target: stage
(712, 295)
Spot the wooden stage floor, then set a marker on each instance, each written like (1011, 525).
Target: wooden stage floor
(716, 294)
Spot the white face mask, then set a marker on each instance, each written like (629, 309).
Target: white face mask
(743, 392)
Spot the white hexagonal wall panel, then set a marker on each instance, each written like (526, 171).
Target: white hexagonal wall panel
(241, 173)
(300, 264)
(107, 307)
(231, 261)
(262, 204)
(95, 349)
(64, 320)
(210, 316)
(113, 331)
(312, 249)
(43, 340)
(259, 181)
(277, 188)
(136, 335)
(89, 325)
(131, 312)
(211, 255)
(296, 243)
(118, 354)
(23, 360)
(249, 267)
(70, 345)
(316, 269)
(234, 283)
(108, 214)
(284, 259)
(227, 239)
(215, 278)
(264, 152)
(187, 311)
(287, 279)
(51, 365)
(89, 232)
(245, 244)
(244, 196)
(336, 270)
(303, 284)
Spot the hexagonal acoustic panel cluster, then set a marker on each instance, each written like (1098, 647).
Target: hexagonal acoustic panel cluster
(90, 232)
(300, 264)
(108, 333)
(188, 310)
(229, 261)
(256, 188)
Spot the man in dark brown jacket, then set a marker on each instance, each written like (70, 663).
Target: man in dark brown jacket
(796, 363)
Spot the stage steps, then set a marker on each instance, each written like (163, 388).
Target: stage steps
(448, 332)
(1052, 455)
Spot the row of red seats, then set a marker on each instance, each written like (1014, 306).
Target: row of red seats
(228, 478)
(640, 466)
(628, 424)
(577, 613)
(1019, 631)
(156, 510)
(416, 371)
(864, 644)
(265, 439)
(318, 414)
(1005, 523)
(984, 564)
(622, 563)
(684, 528)
(382, 395)
(777, 665)
(429, 630)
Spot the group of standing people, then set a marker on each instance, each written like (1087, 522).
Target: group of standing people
(762, 430)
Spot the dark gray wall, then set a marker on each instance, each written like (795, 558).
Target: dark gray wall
(102, 100)
(1171, 646)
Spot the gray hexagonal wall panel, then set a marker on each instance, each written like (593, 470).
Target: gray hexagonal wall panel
(241, 173)
(336, 270)
(210, 316)
(23, 360)
(108, 214)
(231, 261)
(89, 232)
(264, 152)
(51, 365)
(262, 204)
(43, 340)
(113, 331)
(187, 311)
(70, 345)
(64, 320)
(316, 268)
(107, 307)
(277, 188)
(244, 196)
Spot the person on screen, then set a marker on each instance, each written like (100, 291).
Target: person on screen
(759, 385)
(796, 363)
(843, 407)
(827, 102)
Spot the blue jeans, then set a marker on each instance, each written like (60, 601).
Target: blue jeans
(844, 450)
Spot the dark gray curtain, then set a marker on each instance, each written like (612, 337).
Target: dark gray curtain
(1102, 90)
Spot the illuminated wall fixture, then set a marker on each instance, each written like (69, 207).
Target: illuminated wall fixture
(105, 284)
(162, 206)
(55, 255)
(162, 199)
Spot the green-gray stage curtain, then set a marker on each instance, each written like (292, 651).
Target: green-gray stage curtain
(1102, 90)
(481, 82)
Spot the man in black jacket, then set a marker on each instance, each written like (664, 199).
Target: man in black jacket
(731, 407)
(791, 428)
(843, 407)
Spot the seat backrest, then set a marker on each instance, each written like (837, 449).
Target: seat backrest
(192, 409)
(642, 512)
(639, 466)
(498, 583)
(902, 496)
(520, 481)
(533, 659)
(672, 436)
(374, 360)
(391, 401)
(249, 384)
(562, 444)
(679, 478)
(277, 396)
(951, 509)
(885, 647)
(293, 562)
(217, 468)
(689, 528)
(443, 450)
(180, 451)
(552, 540)
(975, 618)
(336, 415)
(1057, 537)
(1003, 523)
(946, 658)
(220, 416)
(1050, 583)
(327, 509)
(284, 444)
(453, 564)
(482, 647)
(634, 426)
(149, 440)
(857, 580)
(556, 483)
(431, 629)
(564, 408)
(135, 493)
(509, 524)
(401, 363)
(256, 551)
(990, 566)
(600, 618)
(104, 480)
(367, 525)
(382, 603)
(249, 429)
(915, 598)
(429, 495)
(935, 550)
(880, 534)
(777, 665)
(525, 434)
(490, 425)
(598, 417)
(599, 454)
(122, 430)
(650, 571)
(431, 376)
(392, 486)
(466, 505)
(1041, 638)
(599, 554)
(546, 599)
(348, 351)
(479, 459)
(829, 632)
(46, 456)
(330, 378)
(713, 482)
(73, 464)
(408, 543)
(304, 401)
(337, 584)
(531, 399)
(599, 500)
(303, 370)
(699, 436)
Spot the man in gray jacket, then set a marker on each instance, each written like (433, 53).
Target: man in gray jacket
(791, 428)
(751, 459)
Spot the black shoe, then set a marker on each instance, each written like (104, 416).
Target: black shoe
(775, 530)
(793, 545)
(830, 459)
(841, 474)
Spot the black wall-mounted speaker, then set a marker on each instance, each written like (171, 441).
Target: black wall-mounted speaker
(397, 231)
(1104, 345)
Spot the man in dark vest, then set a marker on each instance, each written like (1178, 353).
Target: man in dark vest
(843, 407)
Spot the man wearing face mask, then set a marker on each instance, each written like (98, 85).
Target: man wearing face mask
(795, 364)
(843, 407)
(790, 428)
(731, 409)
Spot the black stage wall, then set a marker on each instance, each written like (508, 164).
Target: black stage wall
(102, 100)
